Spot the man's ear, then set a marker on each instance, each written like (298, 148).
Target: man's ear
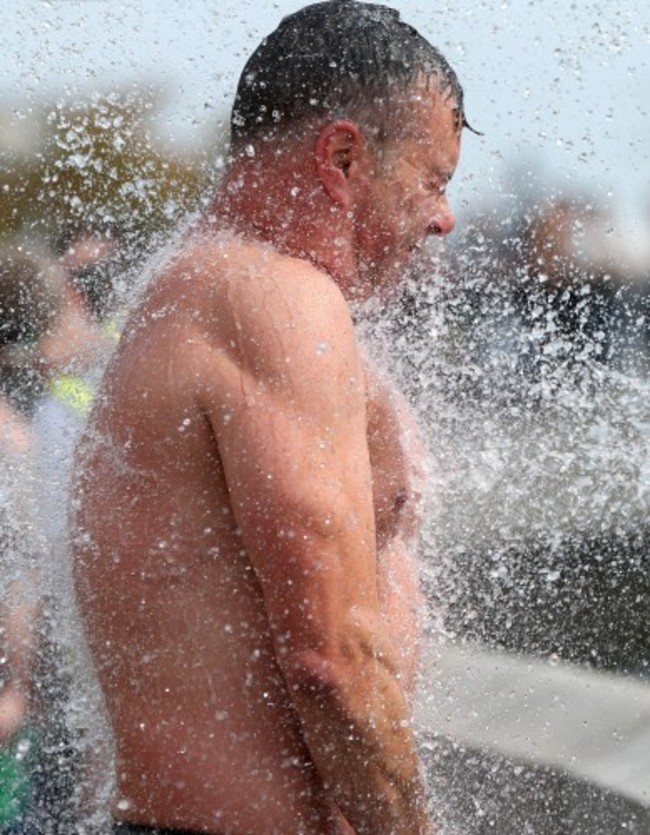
(338, 150)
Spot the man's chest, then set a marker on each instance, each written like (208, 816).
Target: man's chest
(397, 460)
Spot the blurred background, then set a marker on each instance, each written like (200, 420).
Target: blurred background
(523, 343)
(557, 89)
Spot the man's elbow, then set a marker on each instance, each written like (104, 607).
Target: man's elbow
(315, 675)
(334, 673)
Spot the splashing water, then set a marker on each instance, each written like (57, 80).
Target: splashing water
(536, 538)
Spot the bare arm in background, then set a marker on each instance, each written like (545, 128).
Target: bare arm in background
(18, 638)
(18, 614)
(19, 608)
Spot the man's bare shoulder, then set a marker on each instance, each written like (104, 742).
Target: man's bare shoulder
(257, 279)
(220, 274)
(240, 318)
(248, 299)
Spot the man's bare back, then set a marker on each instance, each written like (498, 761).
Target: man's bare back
(207, 735)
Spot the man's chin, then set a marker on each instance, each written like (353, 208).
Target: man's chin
(405, 261)
(383, 280)
(393, 274)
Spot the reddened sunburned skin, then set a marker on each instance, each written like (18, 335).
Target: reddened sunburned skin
(254, 616)
(305, 625)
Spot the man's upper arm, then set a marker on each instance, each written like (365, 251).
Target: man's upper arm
(287, 405)
(289, 418)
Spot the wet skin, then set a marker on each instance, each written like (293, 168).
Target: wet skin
(244, 517)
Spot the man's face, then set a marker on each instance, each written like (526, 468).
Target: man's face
(404, 198)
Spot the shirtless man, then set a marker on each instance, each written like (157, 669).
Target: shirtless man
(244, 502)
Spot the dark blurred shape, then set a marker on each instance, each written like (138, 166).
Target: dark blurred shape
(540, 299)
(592, 610)
(528, 344)
(31, 293)
(566, 300)
(94, 259)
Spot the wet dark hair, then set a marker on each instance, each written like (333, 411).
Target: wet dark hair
(339, 59)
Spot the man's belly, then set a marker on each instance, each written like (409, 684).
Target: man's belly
(226, 773)
(205, 734)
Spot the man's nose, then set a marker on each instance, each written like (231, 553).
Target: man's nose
(443, 220)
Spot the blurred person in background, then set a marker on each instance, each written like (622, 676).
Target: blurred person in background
(30, 295)
(84, 333)
(71, 357)
(31, 298)
(568, 302)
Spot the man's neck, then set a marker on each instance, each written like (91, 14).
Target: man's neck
(289, 210)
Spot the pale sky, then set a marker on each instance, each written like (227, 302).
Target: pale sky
(557, 83)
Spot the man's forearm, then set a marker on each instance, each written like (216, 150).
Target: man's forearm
(359, 735)
(402, 604)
